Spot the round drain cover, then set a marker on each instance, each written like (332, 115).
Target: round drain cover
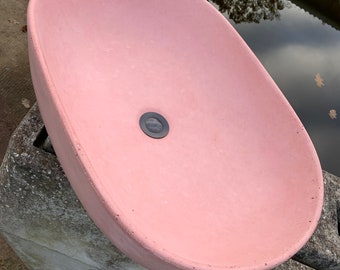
(154, 125)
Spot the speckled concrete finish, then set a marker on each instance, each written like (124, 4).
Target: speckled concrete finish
(24, 226)
(48, 228)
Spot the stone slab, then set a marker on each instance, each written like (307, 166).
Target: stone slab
(323, 250)
(292, 265)
(48, 228)
(40, 215)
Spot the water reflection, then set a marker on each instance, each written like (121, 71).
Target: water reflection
(240, 11)
(326, 10)
(250, 11)
(294, 45)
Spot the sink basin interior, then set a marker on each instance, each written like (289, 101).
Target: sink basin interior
(235, 183)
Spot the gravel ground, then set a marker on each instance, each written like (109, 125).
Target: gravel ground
(16, 92)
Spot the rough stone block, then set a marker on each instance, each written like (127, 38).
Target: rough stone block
(42, 219)
(322, 251)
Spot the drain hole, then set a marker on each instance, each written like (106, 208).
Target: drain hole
(154, 125)
(43, 141)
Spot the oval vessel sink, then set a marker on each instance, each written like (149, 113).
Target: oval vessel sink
(176, 140)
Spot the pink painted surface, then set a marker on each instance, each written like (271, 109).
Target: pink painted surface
(236, 184)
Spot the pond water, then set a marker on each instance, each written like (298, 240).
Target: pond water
(295, 45)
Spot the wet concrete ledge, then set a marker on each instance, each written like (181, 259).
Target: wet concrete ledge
(43, 221)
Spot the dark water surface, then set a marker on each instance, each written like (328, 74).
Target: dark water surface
(294, 45)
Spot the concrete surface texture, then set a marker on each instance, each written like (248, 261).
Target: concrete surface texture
(16, 91)
(16, 97)
(45, 223)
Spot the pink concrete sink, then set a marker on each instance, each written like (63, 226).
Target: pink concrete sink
(224, 176)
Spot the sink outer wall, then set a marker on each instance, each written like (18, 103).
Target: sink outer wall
(281, 205)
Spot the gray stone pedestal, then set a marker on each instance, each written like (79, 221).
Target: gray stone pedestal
(43, 221)
(41, 217)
